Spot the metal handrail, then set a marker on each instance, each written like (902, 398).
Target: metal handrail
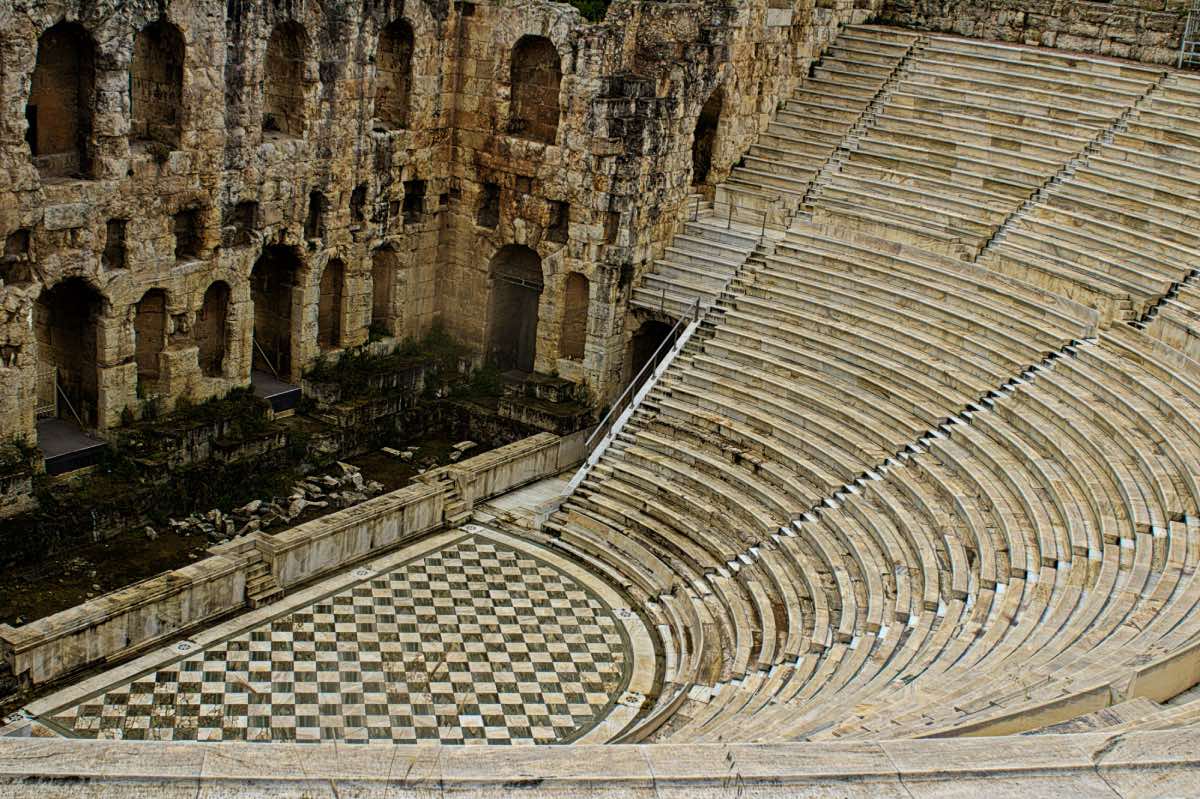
(761, 218)
(67, 400)
(1189, 42)
(636, 383)
(266, 357)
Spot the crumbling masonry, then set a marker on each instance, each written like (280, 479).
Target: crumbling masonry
(193, 189)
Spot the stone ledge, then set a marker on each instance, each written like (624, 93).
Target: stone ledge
(1088, 764)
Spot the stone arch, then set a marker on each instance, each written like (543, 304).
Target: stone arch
(150, 338)
(516, 291)
(273, 283)
(385, 264)
(705, 137)
(536, 72)
(66, 317)
(61, 102)
(212, 329)
(573, 338)
(393, 76)
(156, 84)
(329, 306)
(283, 84)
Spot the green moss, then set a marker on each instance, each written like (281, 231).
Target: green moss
(17, 455)
(239, 415)
(592, 10)
(359, 374)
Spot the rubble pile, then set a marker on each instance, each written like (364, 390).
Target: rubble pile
(343, 489)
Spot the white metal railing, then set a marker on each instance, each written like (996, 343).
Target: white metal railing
(633, 395)
(47, 393)
(1189, 43)
(265, 357)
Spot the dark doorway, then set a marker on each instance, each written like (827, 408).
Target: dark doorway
(393, 76)
(329, 313)
(646, 342)
(283, 88)
(384, 267)
(65, 321)
(536, 75)
(272, 285)
(156, 84)
(573, 337)
(516, 277)
(150, 338)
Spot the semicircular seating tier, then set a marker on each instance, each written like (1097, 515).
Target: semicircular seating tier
(930, 465)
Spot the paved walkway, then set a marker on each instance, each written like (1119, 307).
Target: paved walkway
(470, 637)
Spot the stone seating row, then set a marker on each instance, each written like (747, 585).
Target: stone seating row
(774, 174)
(811, 125)
(1042, 617)
(1017, 539)
(1176, 321)
(888, 493)
(970, 132)
(745, 436)
(1120, 230)
(1095, 639)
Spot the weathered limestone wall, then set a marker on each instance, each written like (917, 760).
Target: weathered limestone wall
(241, 189)
(632, 88)
(1143, 30)
(370, 159)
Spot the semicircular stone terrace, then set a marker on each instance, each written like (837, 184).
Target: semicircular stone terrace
(928, 467)
(469, 638)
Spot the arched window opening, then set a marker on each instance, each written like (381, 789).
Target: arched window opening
(393, 80)
(212, 323)
(516, 277)
(575, 317)
(61, 101)
(283, 87)
(536, 74)
(705, 138)
(384, 267)
(150, 338)
(156, 84)
(65, 319)
(314, 225)
(272, 285)
(16, 266)
(329, 313)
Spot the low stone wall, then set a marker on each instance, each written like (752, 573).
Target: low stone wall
(125, 619)
(328, 543)
(512, 466)
(1143, 30)
(141, 615)
(1157, 763)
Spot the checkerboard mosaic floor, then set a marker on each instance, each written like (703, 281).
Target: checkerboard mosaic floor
(472, 643)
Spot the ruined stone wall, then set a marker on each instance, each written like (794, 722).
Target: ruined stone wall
(181, 204)
(619, 169)
(1143, 30)
(273, 151)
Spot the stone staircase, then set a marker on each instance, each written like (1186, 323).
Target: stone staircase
(764, 191)
(261, 588)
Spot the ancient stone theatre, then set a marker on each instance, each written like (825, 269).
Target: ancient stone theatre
(773, 398)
